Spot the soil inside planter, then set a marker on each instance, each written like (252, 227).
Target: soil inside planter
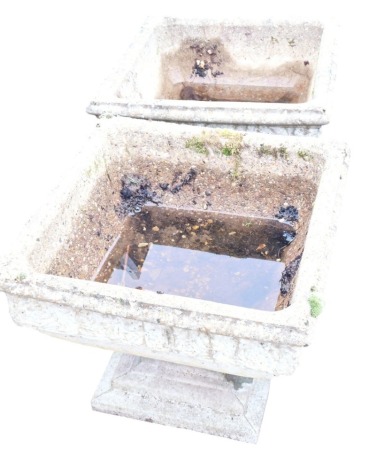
(213, 256)
(205, 71)
(201, 177)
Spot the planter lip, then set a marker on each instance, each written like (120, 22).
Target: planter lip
(252, 18)
(18, 278)
(219, 112)
(52, 288)
(314, 112)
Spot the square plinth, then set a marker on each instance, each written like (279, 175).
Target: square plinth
(185, 397)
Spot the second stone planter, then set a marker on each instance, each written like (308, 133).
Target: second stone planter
(246, 74)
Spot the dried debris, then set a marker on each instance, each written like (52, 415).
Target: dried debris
(289, 274)
(135, 193)
(288, 213)
(207, 60)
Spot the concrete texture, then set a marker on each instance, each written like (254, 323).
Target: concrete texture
(184, 397)
(192, 332)
(263, 76)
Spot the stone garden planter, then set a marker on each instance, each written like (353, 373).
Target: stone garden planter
(251, 75)
(182, 358)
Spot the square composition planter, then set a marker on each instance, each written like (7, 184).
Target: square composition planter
(145, 250)
(264, 76)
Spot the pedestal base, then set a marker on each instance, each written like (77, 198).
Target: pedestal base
(182, 396)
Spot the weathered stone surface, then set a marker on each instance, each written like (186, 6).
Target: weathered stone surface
(270, 77)
(193, 332)
(181, 396)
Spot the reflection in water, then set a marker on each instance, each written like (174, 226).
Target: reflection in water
(219, 257)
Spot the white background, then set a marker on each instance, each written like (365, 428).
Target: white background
(53, 56)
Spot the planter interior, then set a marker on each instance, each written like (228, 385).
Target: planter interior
(238, 62)
(207, 195)
(175, 64)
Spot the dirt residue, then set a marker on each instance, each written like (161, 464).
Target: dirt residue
(289, 214)
(208, 59)
(288, 275)
(179, 181)
(135, 193)
(205, 70)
